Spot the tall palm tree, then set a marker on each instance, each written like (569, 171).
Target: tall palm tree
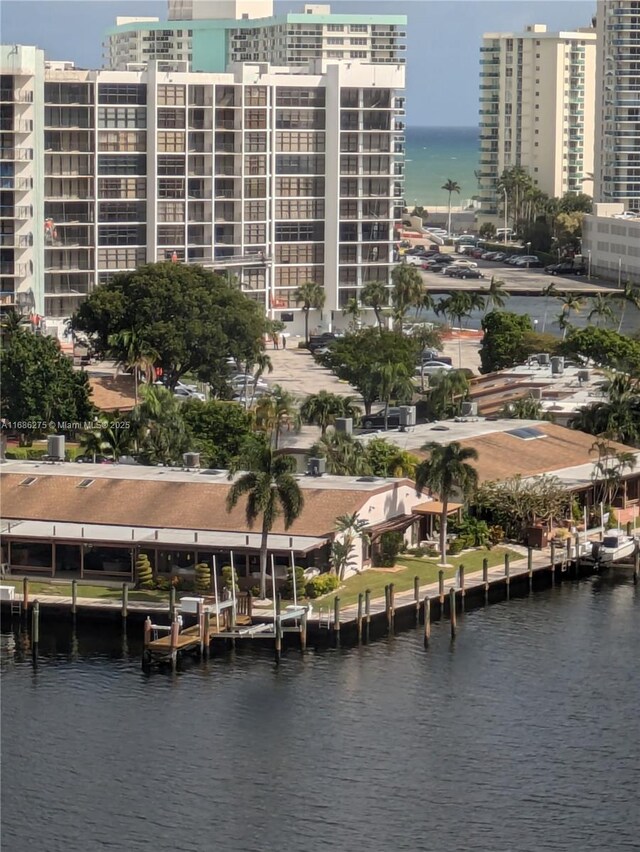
(457, 306)
(353, 309)
(131, 351)
(277, 412)
(450, 186)
(271, 491)
(375, 295)
(570, 302)
(447, 391)
(630, 295)
(92, 443)
(394, 382)
(495, 294)
(344, 455)
(351, 528)
(446, 471)
(617, 417)
(312, 297)
(407, 290)
(425, 303)
(600, 309)
(158, 425)
(323, 408)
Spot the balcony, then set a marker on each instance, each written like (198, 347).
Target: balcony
(15, 126)
(16, 154)
(16, 96)
(17, 270)
(19, 241)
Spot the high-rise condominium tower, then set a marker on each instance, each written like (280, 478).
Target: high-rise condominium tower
(617, 158)
(537, 110)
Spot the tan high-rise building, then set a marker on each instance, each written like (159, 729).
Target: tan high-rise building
(537, 96)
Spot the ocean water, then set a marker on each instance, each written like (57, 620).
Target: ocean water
(434, 154)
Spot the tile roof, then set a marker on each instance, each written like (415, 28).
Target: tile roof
(112, 392)
(175, 504)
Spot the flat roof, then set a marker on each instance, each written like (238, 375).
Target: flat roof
(257, 23)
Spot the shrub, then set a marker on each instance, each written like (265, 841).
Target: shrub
(254, 591)
(203, 578)
(456, 546)
(163, 584)
(287, 588)
(183, 584)
(226, 579)
(496, 534)
(321, 585)
(418, 551)
(432, 551)
(475, 533)
(144, 572)
(391, 544)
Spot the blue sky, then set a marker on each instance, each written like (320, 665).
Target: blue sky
(443, 39)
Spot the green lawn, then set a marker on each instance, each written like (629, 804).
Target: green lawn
(426, 568)
(86, 590)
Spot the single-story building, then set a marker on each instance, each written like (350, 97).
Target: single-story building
(93, 521)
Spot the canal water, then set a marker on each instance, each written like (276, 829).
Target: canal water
(522, 735)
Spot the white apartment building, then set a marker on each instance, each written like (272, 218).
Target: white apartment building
(277, 176)
(617, 158)
(245, 31)
(537, 94)
(21, 178)
(611, 243)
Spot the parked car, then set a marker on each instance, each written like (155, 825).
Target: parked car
(477, 252)
(464, 272)
(430, 356)
(454, 268)
(413, 259)
(499, 256)
(566, 267)
(317, 341)
(182, 393)
(529, 261)
(511, 259)
(429, 368)
(489, 255)
(375, 420)
(440, 258)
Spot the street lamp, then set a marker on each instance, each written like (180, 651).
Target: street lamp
(506, 228)
(589, 263)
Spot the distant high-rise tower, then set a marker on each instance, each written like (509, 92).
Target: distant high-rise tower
(537, 110)
(197, 10)
(617, 154)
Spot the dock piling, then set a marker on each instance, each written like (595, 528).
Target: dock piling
(441, 586)
(359, 618)
(452, 612)
(636, 563)
(278, 628)
(461, 580)
(35, 627)
(200, 617)
(416, 597)
(125, 600)
(303, 631)
(553, 562)
(207, 631)
(336, 621)
(175, 632)
(367, 609)
(391, 610)
(25, 594)
(172, 603)
(485, 578)
(74, 596)
(427, 620)
(507, 571)
(530, 567)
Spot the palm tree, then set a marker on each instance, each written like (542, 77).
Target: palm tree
(323, 408)
(375, 295)
(570, 302)
(457, 306)
(548, 292)
(618, 416)
(526, 408)
(630, 295)
(131, 351)
(13, 322)
(425, 303)
(447, 390)
(407, 290)
(445, 471)
(312, 297)
(271, 490)
(496, 297)
(277, 412)
(393, 381)
(351, 528)
(115, 439)
(157, 423)
(93, 443)
(343, 454)
(354, 310)
(600, 309)
(450, 186)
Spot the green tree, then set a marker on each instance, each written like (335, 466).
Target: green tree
(157, 423)
(516, 182)
(406, 292)
(504, 335)
(450, 186)
(353, 309)
(376, 296)
(356, 358)
(387, 459)
(617, 416)
(312, 298)
(277, 412)
(93, 443)
(351, 529)
(38, 383)
(116, 435)
(600, 309)
(394, 382)
(606, 348)
(576, 202)
(192, 318)
(538, 233)
(630, 295)
(548, 292)
(609, 470)
(131, 351)
(344, 455)
(271, 490)
(571, 303)
(518, 503)
(447, 391)
(487, 230)
(495, 295)
(526, 408)
(447, 472)
(217, 429)
(322, 409)
(568, 230)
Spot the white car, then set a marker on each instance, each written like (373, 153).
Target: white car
(183, 393)
(432, 367)
(413, 259)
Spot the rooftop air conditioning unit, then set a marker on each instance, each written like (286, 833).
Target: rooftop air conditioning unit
(345, 425)
(317, 467)
(469, 409)
(536, 393)
(544, 359)
(583, 376)
(190, 460)
(55, 447)
(557, 365)
(407, 416)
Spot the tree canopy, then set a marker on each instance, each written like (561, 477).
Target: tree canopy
(38, 383)
(358, 358)
(218, 430)
(604, 347)
(192, 318)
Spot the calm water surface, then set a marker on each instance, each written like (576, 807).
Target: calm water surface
(523, 735)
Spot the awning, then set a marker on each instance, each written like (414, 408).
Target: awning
(399, 523)
(434, 507)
